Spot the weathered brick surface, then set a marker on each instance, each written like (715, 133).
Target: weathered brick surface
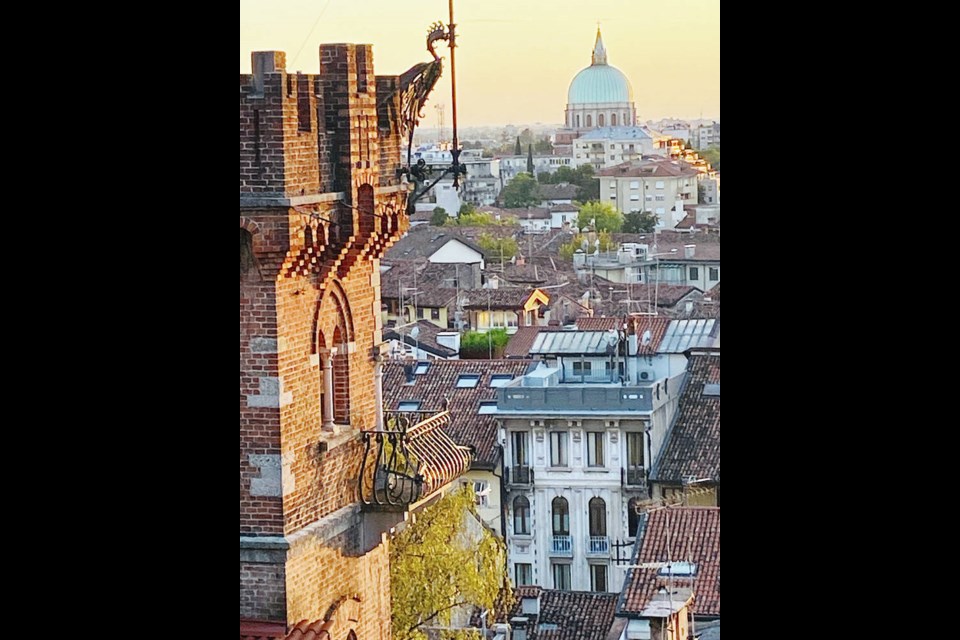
(312, 288)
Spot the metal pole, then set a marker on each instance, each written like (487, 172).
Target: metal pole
(455, 152)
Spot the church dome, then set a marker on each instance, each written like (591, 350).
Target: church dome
(599, 82)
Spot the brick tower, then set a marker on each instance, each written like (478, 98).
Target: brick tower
(319, 204)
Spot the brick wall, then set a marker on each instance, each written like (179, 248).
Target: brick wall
(311, 286)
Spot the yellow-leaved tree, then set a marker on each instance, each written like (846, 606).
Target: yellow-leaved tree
(443, 565)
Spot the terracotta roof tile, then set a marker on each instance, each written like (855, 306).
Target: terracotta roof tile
(650, 168)
(693, 442)
(521, 342)
(694, 534)
(503, 298)
(578, 615)
(558, 191)
(436, 389)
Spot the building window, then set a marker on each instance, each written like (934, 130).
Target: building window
(714, 273)
(661, 198)
(519, 448)
(595, 449)
(613, 185)
(633, 517)
(558, 448)
(434, 314)
(481, 491)
(694, 273)
(589, 121)
(598, 517)
(598, 577)
(600, 120)
(561, 516)
(422, 368)
(635, 450)
(420, 313)
(634, 184)
(634, 197)
(487, 406)
(468, 380)
(409, 405)
(648, 197)
(524, 573)
(561, 572)
(581, 368)
(608, 368)
(613, 119)
(578, 121)
(521, 515)
(659, 184)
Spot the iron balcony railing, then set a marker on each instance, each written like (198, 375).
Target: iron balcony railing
(410, 458)
(598, 545)
(562, 546)
(519, 474)
(636, 476)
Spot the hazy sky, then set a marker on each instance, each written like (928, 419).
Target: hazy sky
(515, 59)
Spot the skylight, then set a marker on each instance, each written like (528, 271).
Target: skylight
(409, 405)
(488, 406)
(468, 380)
(422, 368)
(711, 389)
(679, 569)
(500, 379)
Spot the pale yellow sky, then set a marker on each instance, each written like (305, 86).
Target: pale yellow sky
(515, 59)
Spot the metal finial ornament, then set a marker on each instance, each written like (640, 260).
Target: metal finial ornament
(416, 84)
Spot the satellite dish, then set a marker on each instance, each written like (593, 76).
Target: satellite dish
(415, 332)
(645, 339)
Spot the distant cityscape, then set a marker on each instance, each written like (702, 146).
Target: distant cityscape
(480, 387)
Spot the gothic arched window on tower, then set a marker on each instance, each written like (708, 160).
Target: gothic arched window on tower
(578, 121)
(613, 119)
(600, 120)
(247, 259)
(589, 120)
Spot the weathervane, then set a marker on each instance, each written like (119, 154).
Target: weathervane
(416, 84)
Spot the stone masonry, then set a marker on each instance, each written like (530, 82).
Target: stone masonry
(319, 204)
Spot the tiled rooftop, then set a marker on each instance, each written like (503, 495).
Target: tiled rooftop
(558, 191)
(694, 535)
(504, 298)
(650, 168)
(693, 441)
(426, 338)
(577, 615)
(522, 341)
(437, 389)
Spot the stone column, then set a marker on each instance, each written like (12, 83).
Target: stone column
(326, 360)
(378, 390)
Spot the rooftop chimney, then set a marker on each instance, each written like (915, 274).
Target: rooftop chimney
(689, 250)
(449, 339)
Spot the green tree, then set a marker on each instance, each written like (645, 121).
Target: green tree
(517, 150)
(475, 345)
(443, 560)
(530, 159)
(466, 208)
(588, 186)
(439, 217)
(497, 247)
(712, 155)
(639, 222)
(523, 191)
(543, 145)
(603, 216)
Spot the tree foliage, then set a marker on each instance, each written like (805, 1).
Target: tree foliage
(603, 216)
(712, 155)
(496, 247)
(484, 219)
(588, 243)
(583, 177)
(441, 562)
(523, 191)
(439, 217)
(639, 222)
